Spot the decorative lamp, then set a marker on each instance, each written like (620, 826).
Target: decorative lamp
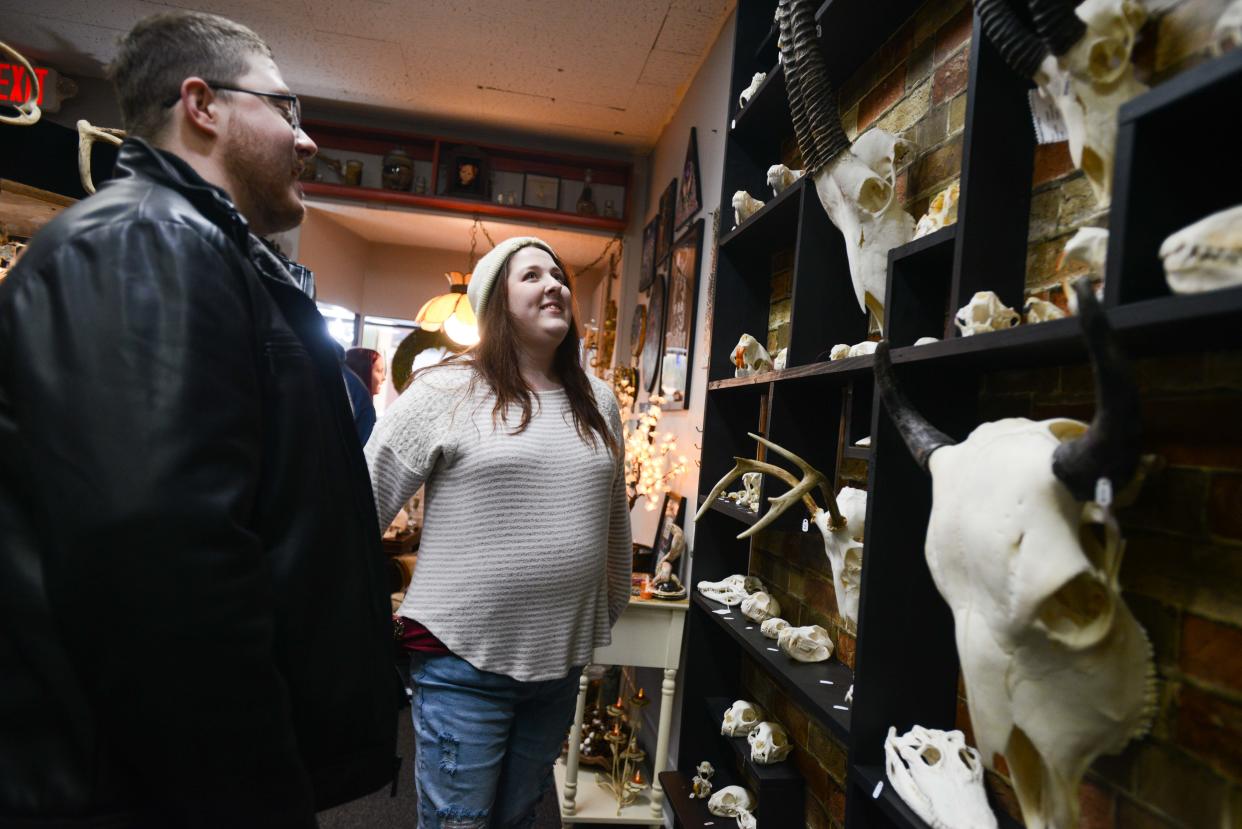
(451, 312)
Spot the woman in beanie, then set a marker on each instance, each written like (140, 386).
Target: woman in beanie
(524, 561)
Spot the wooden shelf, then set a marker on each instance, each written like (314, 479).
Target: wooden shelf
(691, 813)
(866, 778)
(727, 507)
(848, 369)
(767, 108)
(772, 226)
(817, 687)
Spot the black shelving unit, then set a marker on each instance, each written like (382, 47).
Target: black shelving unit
(819, 409)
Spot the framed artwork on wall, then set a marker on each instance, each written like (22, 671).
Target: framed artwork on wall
(468, 173)
(664, 230)
(689, 198)
(649, 363)
(683, 279)
(541, 191)
(649, 254)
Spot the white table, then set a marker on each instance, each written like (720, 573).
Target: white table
(648, 635)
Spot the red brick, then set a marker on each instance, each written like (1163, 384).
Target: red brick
(1225, 505)
(1211, 728)
(1095, 807)
(790, 715)
(954, 33)
(1178, 785)
(886, 93)
(820, 595)
(1212, 652)
(817, 783)
(836, 806)
(1051, 162)
(938, 166)
(950, 77)
(816, 815)
(846, 649)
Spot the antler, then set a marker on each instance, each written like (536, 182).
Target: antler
(88, 134)
(29, 108)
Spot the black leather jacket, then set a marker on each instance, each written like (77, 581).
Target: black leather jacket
(194, 621)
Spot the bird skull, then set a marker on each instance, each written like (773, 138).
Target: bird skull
(769, 743)
(772, 628)
(985, 312)
(805, 644)
(741, 718)
(1205, 255)
(781, 177)
(939, 777)
(759, 607)
(730, 800)
(744, 206)
(750, 357)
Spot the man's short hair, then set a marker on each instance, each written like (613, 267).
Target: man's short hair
(164, 49)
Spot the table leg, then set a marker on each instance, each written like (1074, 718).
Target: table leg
(661, 754)
(575, 739)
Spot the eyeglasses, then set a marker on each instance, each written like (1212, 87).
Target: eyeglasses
(291, 112)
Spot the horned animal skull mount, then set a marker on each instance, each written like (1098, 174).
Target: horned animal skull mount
(1206, 255)
(939, 777)
(769, 743)
(1029, 572)
(1079, 58)
(741, 718)
(840, 522)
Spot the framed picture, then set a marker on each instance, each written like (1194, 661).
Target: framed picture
(649, 255)
(467, 173)
(649, 363)
(664, 230)
(689, 200)
(541, 191)
(683, 279)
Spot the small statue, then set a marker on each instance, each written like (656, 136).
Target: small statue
(666, 584)
(701, 783)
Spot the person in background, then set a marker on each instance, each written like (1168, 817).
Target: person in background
(195, 629)
(364, 378)
(524, 562)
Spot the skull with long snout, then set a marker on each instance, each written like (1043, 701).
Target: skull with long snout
(855, 184)
(1057, 669)
(840, 522)
(1080, 60)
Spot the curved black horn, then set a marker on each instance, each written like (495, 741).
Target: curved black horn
(920, 436)
(812, 100)
(1110, 447)
(1018, 45)
(1057, 24)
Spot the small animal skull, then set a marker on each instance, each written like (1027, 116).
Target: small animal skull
(745, 820)
(805, 644)
(730, 591)
(749, 91)
(839, 352)
(1228, 32)
(744, 206)
(985, 312)
(939, 777)
(759, 607)
(731, 800)
(748, 496)
(1039, 310)
(701, 783)
(772, 628)
(942, 211)
(1205, 256)
(862, 349)
(769, 743)
(781, 359)
(741, 718)
(780, 177)
(750, 357)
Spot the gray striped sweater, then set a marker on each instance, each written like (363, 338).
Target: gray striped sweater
(524, 562)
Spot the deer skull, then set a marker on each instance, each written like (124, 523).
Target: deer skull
(805, 644)
(731, 800)
(1029, 572)
(939, 777)
(1206, 255)
(780, 177)
(772, 628)
(744, 206)
(750, 357)
(769, 743)
(759, 607)
(985, 312)
(741, 718)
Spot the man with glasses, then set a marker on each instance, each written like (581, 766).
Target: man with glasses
(194, 621)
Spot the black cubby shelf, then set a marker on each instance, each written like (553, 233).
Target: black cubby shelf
(784, 773)
(867, 778)
(867, 26)
(848, 369)
(818, 687)
(769, 103)
(727, 507)
(858, 453)
(778, 218)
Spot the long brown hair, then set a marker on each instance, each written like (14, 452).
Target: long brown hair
(495, 361)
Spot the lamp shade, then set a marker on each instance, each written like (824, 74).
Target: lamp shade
(451, 312)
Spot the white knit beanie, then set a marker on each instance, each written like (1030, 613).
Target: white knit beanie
(487, 271)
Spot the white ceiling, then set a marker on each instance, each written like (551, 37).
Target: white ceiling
(607, 72)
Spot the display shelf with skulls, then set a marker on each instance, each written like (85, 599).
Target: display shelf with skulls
(725, 506)
(865, 780)
(692, 812)
(768, 226)
(759, 777)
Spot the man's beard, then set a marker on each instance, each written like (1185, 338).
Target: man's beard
(262, 173)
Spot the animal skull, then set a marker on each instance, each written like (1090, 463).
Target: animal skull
(781, 359)
(744, 206)
(769, 743)
(942, 211)
(749, 495)
(1205, 256)
(732, 590)
(985, 312)
(1039, 310)
(939, 777)
(746, 820)
(772, 628)
(701, 783)
(844, 547)
(1228, 32)
(28, 112)
(749, 92)
(781, 177)
(805, 644)
(741, 718)
(731, 800)
(862, 349)
(839, 352)
(759, 607)
(1029, 572)
(750, 357)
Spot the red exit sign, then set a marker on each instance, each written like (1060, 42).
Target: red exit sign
(16, 85)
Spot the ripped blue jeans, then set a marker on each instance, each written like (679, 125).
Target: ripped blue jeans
(485, 743)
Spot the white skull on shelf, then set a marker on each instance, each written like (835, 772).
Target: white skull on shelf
(926, 340)
(744, 206)
(1206, 255)
(844, 548)
(939, 777)
(748, 92)
(1040, 310)
(1228, 32)
(741, 718)
(809, 643)
(748, 496)
(941, 212)
(781, 177)
(730, 800)
(701, 783)
(862, 349)
(772, 628)
(759, 607)
(769, 743)
(746, 820)
(731, 590)
(781, 359)
(750, 357)
(839, 352)
(985, 312)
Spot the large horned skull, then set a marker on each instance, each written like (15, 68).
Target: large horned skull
(1080, 60)
(856, 185)
(939, 777)
(1057, 670)
(840, 522)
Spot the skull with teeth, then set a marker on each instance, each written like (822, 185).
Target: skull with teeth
(771, 628)
(730, 591)
(731, 800)
(1205, 255)
(744, 206)
(741, 718)
(939, 777)
(985, 312)
(769, 743)
(750, 357)
(759, 607)
(805, 644)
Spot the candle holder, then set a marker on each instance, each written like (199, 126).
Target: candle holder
(625, 778)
